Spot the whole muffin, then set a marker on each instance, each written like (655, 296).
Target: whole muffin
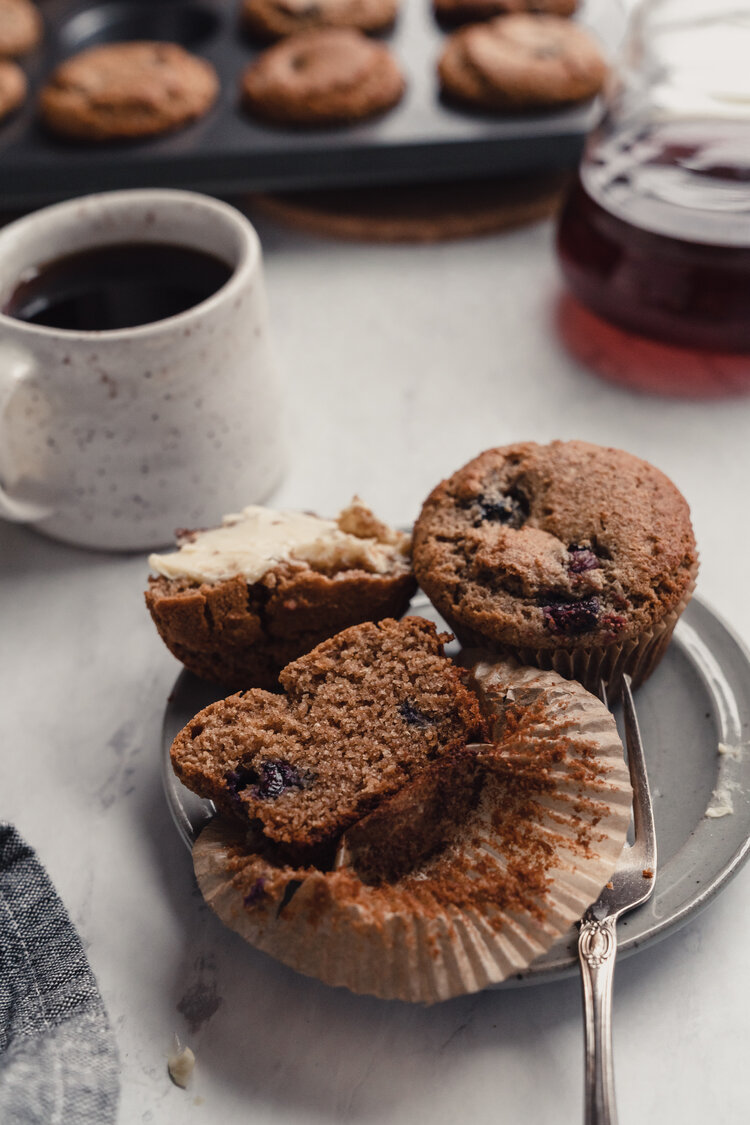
(13, 87)
(274, 19)
(326, 76)
(236, 603)
(21, 27)
(568, 556)
(124, 91)
(458, 865)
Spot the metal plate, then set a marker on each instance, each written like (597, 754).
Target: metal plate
(227, 152)
(697, 701)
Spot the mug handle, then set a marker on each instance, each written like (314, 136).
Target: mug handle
(15, 368)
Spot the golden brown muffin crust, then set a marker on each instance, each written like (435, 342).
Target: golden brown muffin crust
(521, 62)
(555, 546)
(360, 714)
(127, 90)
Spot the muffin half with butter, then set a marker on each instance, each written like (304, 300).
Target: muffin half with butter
(236, 603)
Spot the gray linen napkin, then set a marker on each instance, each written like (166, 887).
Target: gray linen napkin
(58, 1059)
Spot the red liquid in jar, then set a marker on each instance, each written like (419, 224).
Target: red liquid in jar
(655, 235)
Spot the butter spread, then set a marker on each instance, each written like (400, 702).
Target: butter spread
(255, 540)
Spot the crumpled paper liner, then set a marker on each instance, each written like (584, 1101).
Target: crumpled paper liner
(636, 657)
(522, 867)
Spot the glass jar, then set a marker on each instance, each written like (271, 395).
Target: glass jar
(655, 235)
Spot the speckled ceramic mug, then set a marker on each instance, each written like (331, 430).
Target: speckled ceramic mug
(113, 439)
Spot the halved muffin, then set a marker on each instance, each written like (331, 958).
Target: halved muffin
(361, 714)
(236, 603)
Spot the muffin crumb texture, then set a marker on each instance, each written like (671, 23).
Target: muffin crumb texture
(359, 716)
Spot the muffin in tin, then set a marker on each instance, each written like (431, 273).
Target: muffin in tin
(567, 556)
(358, 717)
(21, 28)
(275, 19)
(126, 91)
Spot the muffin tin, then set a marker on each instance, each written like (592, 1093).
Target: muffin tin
(226, 151)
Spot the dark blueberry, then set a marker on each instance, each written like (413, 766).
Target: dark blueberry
(572, 618)
(581, 559)
(276, 776)
(509, 509)
(412, 716)
(256, 893)
(268, 782)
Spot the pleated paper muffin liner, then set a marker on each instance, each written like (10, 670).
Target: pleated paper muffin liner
(636, 657)
(516, 872)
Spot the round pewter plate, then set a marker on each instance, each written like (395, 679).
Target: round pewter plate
(694, 715)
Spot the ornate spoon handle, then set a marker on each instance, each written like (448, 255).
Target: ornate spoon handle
(597, 947)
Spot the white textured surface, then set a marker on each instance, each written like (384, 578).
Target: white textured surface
(401, 363)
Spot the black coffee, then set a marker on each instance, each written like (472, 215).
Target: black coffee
(117, 286)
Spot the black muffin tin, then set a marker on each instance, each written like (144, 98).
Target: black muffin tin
(227, 151)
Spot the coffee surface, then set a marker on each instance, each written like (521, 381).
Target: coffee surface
(117, 286)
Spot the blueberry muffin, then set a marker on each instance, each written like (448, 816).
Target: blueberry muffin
(359, 716)
(274, 19)
(463, 874)
(468, 11)
(521, 63)
(236, 603)
(568, 556)
(328, 76)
